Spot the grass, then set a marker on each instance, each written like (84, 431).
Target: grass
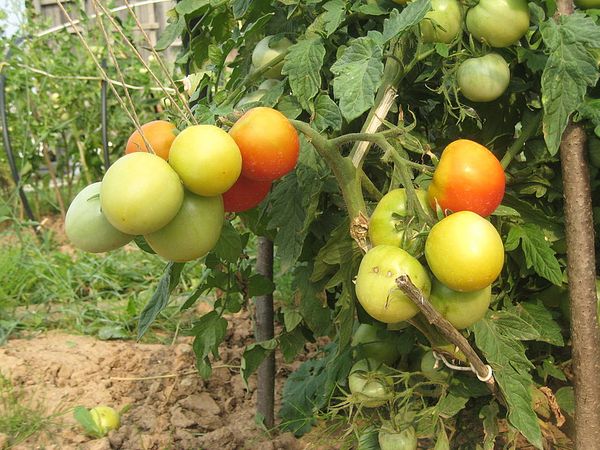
(44, 287)
(19, 420)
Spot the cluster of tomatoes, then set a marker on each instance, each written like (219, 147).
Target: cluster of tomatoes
(174, 189)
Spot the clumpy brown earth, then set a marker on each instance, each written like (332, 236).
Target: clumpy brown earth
(170, 406)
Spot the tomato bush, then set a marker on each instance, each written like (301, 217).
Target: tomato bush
(468, 178)
(87, 228)
(376, 288)
(498, 23)
(268, 143)
(140, 193)
(465, 252)
(483, 79)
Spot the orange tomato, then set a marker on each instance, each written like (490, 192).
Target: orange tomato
(158, 133)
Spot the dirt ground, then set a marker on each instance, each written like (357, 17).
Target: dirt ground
(170, 406)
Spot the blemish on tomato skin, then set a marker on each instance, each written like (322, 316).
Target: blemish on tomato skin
(375, 269)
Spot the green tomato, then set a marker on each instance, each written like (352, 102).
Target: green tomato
(498, 23)
(252, 97)
(193, 232)
(483, 79)
(397, 440)
(464, 251)
(376, 344)
(443, 23)
(87, 228)
(390, 219)
(434, 373)
(586, 4)
(370, 383)
(461, 309)
(376, 287)
(266, 51)
(207, 159)
(140, 193)
(106, 418)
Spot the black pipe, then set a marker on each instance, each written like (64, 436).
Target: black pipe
(8, 148)
(104, 119)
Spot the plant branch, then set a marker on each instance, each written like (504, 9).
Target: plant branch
(531, 122)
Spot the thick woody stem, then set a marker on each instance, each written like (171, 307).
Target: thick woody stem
(446, 329)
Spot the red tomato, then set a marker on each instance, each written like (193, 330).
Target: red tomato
(468, 178)
(268, 142)
(245, 194)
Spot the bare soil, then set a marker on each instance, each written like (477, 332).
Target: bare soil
(169, 405)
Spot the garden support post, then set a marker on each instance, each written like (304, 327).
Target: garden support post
(104, 120)
(265, 404)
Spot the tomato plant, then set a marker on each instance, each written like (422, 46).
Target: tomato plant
(461, 309)
(391, 220)
(87, 228)
(269, 48)
(483, 79)
(268, 143)
(245, 194)
(207, 159)
(468, 178)
(193, 232)
(376, 283)
(465, 252)
(443, 23)
(159, 134)
(140, 193)
(370, 383)
(498, 23)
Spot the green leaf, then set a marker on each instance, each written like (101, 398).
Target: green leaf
(333, 17)
(289, 106)
(358, 76)
(327, 114)
(451, 405)
(369, 439)
(312, 302)
(303, 65)
(141, 242)
(259, 285)
(240, 7)
(253, 357)
(209, 331)
(160, 298)
(442, 443)
(565, 397)
(171, 32)
(537, 250)
(189, 7)
(399, 22)
(291, 344)
(511, 368)
(569, 71)
(489, 416)
(229, 246)
(84, 418)
(540, 319)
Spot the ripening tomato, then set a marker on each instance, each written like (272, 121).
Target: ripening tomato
(159, 134)
(140, 193)
(464, 251)
(483, 79)
(461, 309)
(390, 219)
(443, 22)
(376, 287)
(245, 194)
(390, 439)
(193, 232)
(87, 228)
(266, 51)
(268, 142)
(498, 23)
(468, 178)
(370, 383)
(207, 159)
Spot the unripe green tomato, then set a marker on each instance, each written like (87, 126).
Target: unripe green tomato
(193, 232)
(106, 418)
(268, 84)
(140, 193)
(499, 23)
(370, 383)
(432, 372)
(461, 309)
(443, 23)
(586, 4)
(252, 97)
(483, 79)
(87, 228)
(464, 251)
(390, 218)
(375, 343)
(376, 287)
(397, 440)
(265, 52)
